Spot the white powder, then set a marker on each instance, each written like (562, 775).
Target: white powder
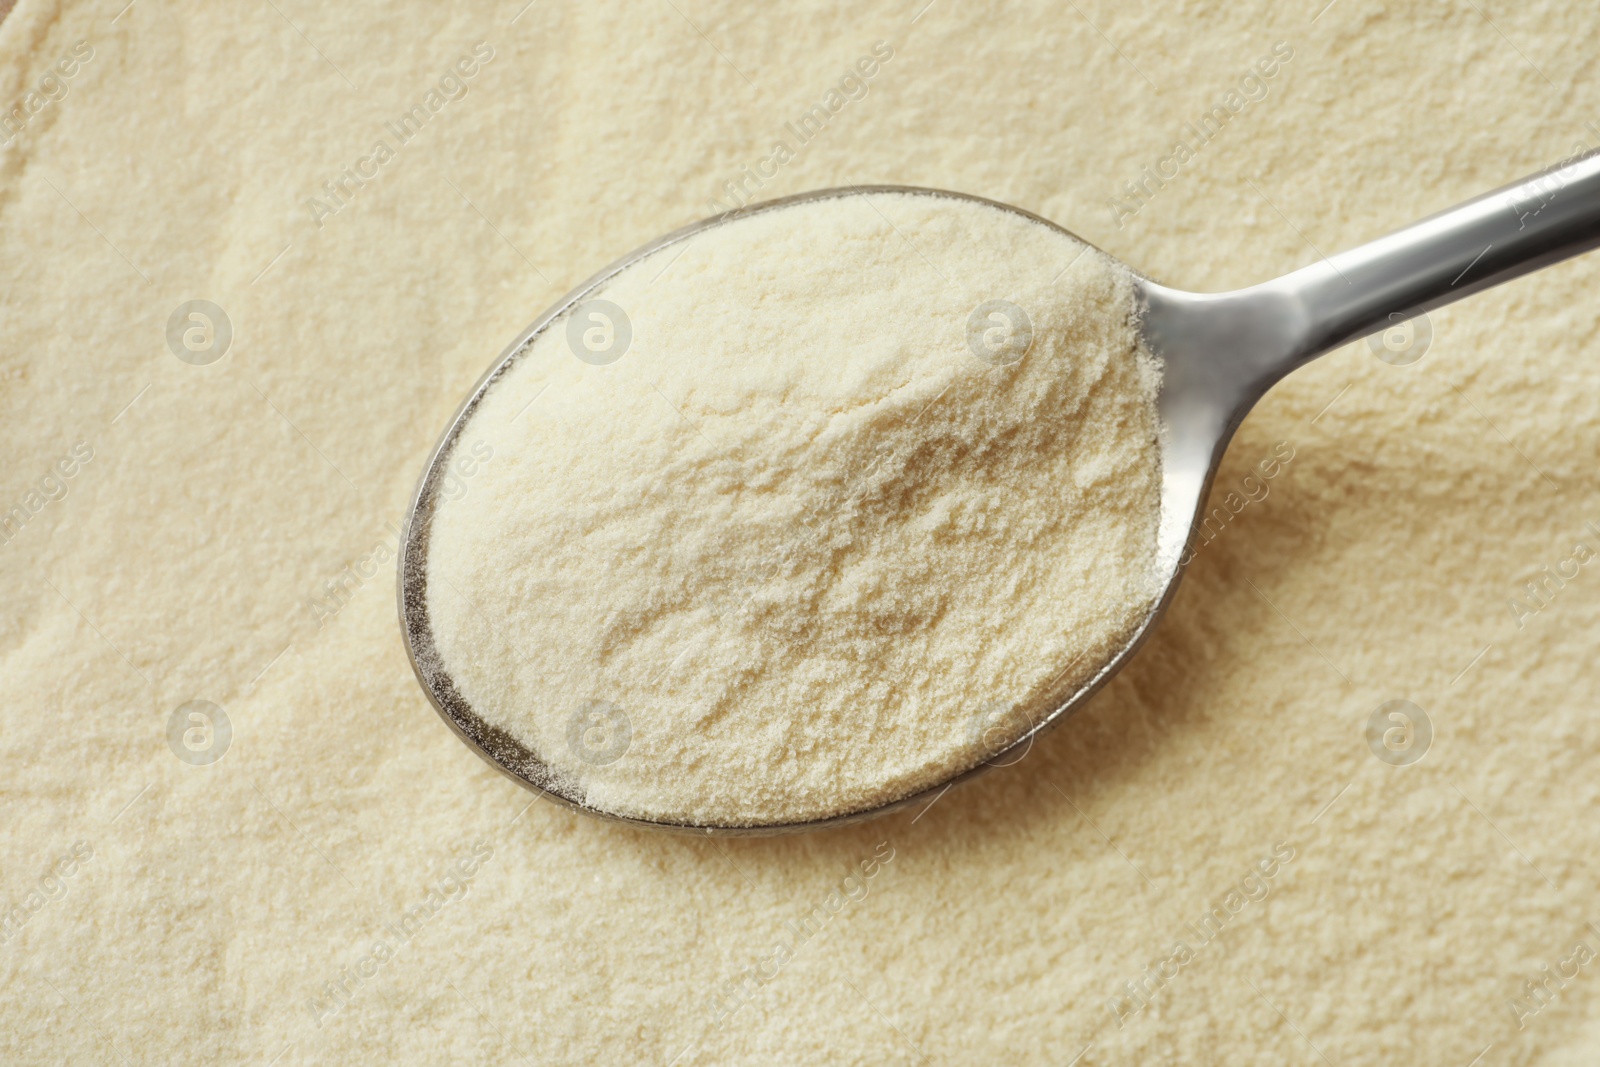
(794, 538)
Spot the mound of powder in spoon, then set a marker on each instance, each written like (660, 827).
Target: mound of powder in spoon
(804, 513)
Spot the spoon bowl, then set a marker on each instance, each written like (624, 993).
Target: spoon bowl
(1219, 353)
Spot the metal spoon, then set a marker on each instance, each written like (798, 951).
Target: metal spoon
(1221, 353)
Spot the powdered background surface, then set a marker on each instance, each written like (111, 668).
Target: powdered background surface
(799, 551)
(180, 564)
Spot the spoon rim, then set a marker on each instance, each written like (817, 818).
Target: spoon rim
(480, 736)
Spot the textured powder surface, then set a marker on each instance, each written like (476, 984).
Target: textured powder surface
(190, 558)
(797, 548)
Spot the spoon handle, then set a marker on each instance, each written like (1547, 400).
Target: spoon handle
(1488, 240)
